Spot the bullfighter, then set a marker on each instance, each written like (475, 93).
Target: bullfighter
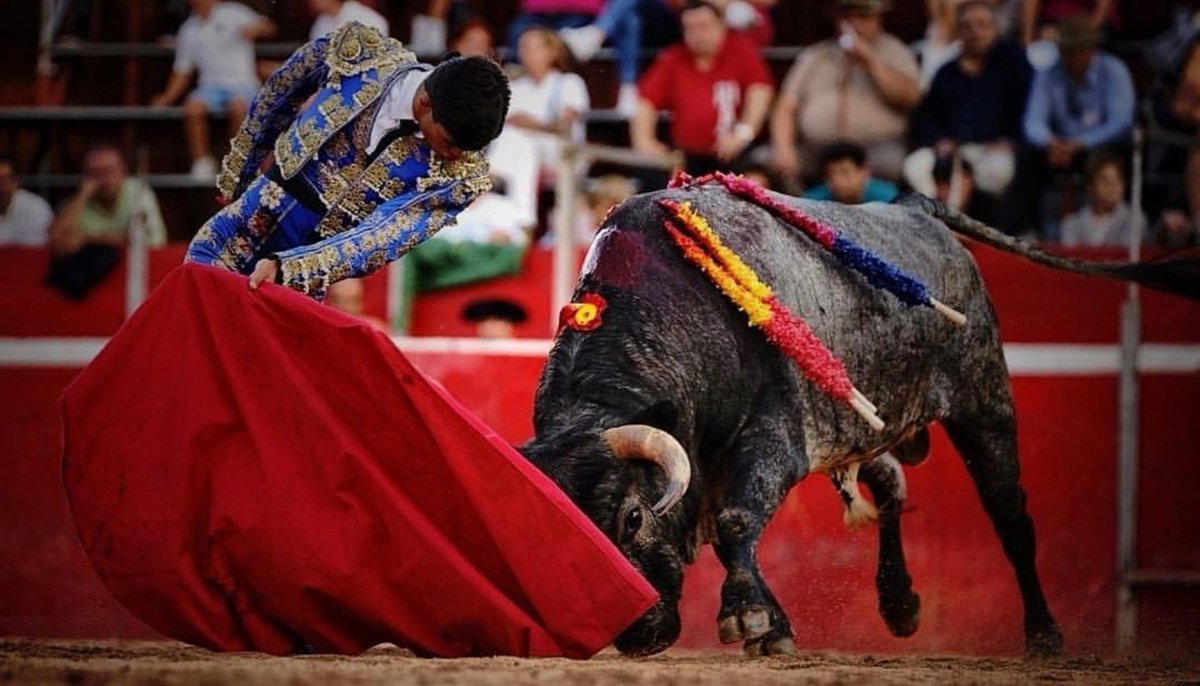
(373, 153)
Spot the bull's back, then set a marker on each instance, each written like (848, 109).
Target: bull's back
(906, 359)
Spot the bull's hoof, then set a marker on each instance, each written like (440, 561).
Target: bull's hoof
(1043, 643)
(729, 630)
(903, 617)
(750, 624)
(784, 645)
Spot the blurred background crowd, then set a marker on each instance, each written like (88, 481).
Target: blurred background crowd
(1063, 121)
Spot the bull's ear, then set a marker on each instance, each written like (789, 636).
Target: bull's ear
(661, 415)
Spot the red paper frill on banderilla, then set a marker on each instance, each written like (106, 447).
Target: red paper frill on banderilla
(257, 471)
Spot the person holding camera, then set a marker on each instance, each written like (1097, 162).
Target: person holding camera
(857, 88)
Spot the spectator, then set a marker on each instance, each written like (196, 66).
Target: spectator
(848, 178)
(494, 317)
(217, 42)
(1082, 103)
(333, 13)
(1106, 219)
(941, 40)
(547, 106)
(473, 37)
(601, 194)
(92, 225)
(1039, 18)
(974, 106)
(1183, 113)
(429, 28)
(762, 175)
(858, 87)
(716, 87)
(584, 25)
(24, 217)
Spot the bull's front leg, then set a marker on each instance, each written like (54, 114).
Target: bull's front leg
(763, 473)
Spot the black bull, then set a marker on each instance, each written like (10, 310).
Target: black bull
(674, 392)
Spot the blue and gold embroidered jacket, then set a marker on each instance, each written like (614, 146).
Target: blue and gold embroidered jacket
(377, 209)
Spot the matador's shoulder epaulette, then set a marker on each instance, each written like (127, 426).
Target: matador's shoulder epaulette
(355, 48)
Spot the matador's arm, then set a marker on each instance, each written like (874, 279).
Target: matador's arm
(394, 228)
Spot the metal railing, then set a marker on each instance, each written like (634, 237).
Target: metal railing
(574, 157)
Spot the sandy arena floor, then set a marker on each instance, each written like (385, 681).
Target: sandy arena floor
(170, 664)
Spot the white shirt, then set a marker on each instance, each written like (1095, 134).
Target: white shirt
(397, 106)
(216, 48)
(352, 10)
(546, 101)
(26, 221)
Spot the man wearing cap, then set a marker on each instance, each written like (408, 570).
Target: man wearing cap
(1083, 102)
(858, 88)
(384, 154)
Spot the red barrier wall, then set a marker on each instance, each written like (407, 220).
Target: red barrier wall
(821, 572)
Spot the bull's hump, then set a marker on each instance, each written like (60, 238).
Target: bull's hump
(615, 257)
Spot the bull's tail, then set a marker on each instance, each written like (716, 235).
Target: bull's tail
(1179, 275)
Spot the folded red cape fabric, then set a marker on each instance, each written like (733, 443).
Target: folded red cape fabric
(257, 471)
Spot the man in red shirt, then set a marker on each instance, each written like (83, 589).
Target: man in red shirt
(716, 86)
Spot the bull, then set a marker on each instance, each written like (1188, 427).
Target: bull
(671, 423)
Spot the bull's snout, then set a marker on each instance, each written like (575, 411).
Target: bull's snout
(653, 633)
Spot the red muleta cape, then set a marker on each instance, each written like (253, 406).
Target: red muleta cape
(257, 471)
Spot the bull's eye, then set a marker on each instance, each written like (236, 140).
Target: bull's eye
(633, 521)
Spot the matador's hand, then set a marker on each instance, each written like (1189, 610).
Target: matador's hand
(264, 270)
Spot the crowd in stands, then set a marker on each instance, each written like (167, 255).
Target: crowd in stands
(1016, 111)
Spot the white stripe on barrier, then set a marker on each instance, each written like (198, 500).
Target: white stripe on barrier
(1024, 359)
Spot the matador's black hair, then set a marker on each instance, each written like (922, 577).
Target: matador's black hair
(470, 97)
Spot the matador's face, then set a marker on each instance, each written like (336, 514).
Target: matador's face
(435, 133)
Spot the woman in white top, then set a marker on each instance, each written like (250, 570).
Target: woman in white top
(333, 13)
(547, 108)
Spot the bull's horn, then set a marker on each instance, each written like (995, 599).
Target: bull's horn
(641, 442)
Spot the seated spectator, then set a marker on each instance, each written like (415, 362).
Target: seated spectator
(1040, 18)
(548, 102)
(473, 37)
(858, 87)
(848, 178)
(940, 44)
(489, 239)
(762, 175)
(600, 195)
(1184, 113)
(216, 42)
(974, 106)
(93, 224)
(24, 216)
(494, 317)
(1106, 219)
(556, 15)
(1084, 102)
(621, 21)
(333, 13)
(430, 27)
(717, 88)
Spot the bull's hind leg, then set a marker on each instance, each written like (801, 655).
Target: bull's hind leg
(898, 604)
(762, 474)
(986, 438)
